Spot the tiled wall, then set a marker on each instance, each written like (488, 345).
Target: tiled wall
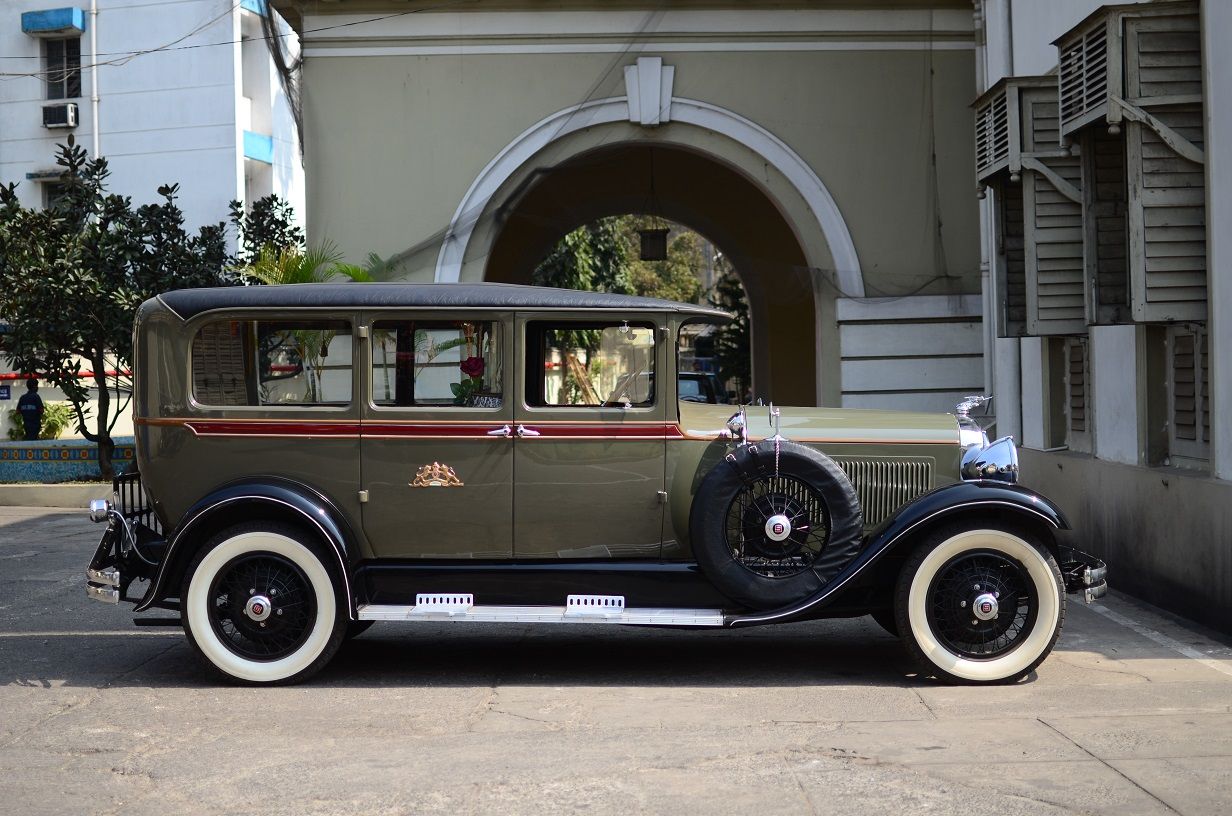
(58, 460)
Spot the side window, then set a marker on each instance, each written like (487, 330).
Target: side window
(272, 363)
(590, 364)
(436, 363)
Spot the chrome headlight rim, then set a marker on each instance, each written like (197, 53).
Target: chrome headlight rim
(996, 462)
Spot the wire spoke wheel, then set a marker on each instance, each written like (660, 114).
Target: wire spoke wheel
(777, 526)
(981, 604)
(261, 606)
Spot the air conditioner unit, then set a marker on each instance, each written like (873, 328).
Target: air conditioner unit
(60, 116)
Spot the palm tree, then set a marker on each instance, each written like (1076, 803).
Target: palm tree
(291, 265)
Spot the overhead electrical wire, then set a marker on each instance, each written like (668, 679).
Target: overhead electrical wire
(124, 57)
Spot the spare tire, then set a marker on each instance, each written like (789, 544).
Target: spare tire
(770, 530)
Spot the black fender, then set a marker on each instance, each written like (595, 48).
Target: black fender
(251, 498)
(950, 501)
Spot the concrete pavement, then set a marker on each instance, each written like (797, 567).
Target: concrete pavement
(1132, 714)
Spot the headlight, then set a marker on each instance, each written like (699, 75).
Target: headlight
(100, 510)
(996, 462)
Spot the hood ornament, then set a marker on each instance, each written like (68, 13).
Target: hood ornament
(963, 409)
(436, 475)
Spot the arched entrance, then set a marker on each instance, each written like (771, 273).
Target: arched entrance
(702, 193)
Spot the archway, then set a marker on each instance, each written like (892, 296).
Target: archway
(704, 194)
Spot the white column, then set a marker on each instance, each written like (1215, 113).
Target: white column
(1217, 59)
(1007, 388)
(1117, 400)
(1034, 366)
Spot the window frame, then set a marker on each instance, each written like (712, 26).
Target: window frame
(369, 323)
(66, 72)
(193, 329)
(528, 330)
(1196, 452)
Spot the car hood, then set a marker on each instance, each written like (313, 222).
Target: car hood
(825, 424)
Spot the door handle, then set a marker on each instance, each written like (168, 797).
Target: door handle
(524, 431)
(504, 431)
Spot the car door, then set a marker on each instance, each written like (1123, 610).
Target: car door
(437, 451)
(591, 436)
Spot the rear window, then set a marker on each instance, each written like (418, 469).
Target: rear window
(272, 363)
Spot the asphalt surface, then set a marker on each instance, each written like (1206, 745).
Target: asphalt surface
(1132, 714)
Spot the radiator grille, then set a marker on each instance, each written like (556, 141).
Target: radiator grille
(132, 502)
(885, 484)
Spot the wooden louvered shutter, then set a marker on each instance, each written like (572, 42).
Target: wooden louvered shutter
(1052, 209)
(1188, 393)
(1105, 245)
(1012, 287)
(1167, 186)
(218, 364)
(1077, 394)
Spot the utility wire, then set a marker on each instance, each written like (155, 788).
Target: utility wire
(123, 57)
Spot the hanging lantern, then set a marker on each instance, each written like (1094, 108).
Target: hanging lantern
(654, 244)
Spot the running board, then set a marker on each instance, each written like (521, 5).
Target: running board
(577, 609)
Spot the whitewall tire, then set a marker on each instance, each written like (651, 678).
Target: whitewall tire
(980, 605)
(259, 605)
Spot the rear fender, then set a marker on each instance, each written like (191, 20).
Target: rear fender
(273, 498)
(898, 533)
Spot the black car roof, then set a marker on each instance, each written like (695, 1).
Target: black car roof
(188, 303)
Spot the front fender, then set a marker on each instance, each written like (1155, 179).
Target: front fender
(937, 504)
(253, 498)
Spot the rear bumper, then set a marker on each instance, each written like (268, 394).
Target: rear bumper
(1084, 574)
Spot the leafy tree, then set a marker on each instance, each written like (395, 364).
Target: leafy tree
(676, 278)
(270, 223)
(593, 258)
(73, 275)
(731, 342)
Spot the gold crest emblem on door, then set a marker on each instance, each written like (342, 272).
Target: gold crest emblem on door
(436, 475)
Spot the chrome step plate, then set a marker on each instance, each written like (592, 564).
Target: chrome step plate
(543, 614)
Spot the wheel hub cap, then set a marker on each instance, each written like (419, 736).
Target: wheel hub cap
(984, 606)
(778, 527)
(257, 608)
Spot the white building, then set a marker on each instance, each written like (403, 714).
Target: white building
(1104, 144)
(181, 92)
(170, 93)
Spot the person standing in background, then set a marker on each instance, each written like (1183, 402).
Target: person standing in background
(30, 406)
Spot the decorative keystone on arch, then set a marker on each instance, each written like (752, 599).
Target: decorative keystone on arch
(648, 85)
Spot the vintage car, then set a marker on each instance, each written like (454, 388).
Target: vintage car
(314, 458)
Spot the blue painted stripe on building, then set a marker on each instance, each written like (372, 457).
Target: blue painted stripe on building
(258, 147)
(54, 21)
(255, 6)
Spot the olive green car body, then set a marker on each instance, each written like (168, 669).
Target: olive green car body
(573, 497)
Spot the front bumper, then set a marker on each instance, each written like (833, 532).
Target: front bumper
(103, 579)
(1084, 573)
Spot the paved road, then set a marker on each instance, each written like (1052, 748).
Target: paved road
(1131, 715)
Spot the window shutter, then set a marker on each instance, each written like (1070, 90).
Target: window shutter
(1167, 212)
(1040, 269)
(1077, 394)
(1012, 288)
(1104, 226)
(1139, 70)
(992, 133)
(1052, 206)
(1084, 73)
(1188, 394)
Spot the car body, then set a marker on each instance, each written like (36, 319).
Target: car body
(488, 452)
